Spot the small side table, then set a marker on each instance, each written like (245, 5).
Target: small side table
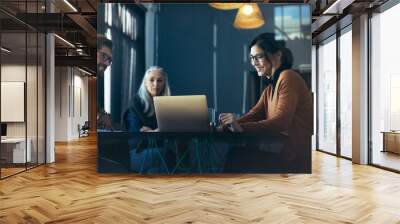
(391, 141)
(14, 150)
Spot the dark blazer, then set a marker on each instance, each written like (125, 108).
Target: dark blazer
(135, 118)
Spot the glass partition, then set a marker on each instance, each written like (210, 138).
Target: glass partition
(41, 91)
(31, 100)
(13, 108)
(22, 89)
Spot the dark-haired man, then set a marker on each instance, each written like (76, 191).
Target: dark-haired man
(104, 59)
(104, 53)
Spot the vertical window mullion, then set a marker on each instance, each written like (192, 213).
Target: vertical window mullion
(338, 73)
(26, 86)
(316, 97)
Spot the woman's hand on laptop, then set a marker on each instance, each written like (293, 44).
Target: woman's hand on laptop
(229, 120)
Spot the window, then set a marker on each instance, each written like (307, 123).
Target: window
(314, 90)
(346, 92)
(124, 25)
(290, 20)
(385, 84)
(327, 95)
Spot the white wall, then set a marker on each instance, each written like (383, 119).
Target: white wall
(61, 103)
(71, 102)
(80, 111)
(16, 73)
(12, 73)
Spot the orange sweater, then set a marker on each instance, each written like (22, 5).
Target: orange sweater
(289, 110)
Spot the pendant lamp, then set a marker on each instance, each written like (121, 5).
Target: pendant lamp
(226, 6)
(249, 16)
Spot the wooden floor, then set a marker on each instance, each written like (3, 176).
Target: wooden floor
(71, 191)
(5, 172)
(8, 171)
(387, 159)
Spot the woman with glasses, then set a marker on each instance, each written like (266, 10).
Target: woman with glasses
(140, 117)
(285, 106)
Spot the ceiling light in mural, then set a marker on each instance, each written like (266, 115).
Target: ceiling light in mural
(249, 15)
(226, 6)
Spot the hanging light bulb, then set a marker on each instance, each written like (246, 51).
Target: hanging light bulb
(247, 10)
(249, 16)
(226, 6)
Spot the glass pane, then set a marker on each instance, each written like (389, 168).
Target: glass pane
(327, 96)
(291, 21)
(305, 15)
(31, 98)
(385, 84)
(346, 94)
(13, 86)
(41, 99)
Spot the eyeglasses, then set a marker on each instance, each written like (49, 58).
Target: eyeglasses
(105, 57)
(257, 57)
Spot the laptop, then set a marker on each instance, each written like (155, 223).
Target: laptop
(182, 113)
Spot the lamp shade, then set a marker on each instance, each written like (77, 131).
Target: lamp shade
(249, 16)
(226, 6)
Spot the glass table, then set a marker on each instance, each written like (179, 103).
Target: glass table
(193, 152)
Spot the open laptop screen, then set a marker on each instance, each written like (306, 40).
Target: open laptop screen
(182, 113)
